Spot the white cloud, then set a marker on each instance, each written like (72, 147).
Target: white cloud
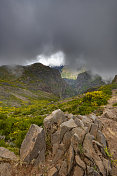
(56, 59)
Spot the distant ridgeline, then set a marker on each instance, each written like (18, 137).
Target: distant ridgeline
(23, 84)
(20, 84)
(82, 80)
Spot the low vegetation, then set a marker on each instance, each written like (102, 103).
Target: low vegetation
(115, 104)
(15, 121)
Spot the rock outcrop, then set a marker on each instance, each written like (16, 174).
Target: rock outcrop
(34, 146)
(109, 120)
(6, 158)
(67, 146)
(78, 145)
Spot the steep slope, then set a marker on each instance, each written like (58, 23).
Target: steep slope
(84, 82)
(20, 84)
(40, 77)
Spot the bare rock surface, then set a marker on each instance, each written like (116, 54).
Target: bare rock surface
(78, 145)
(5, 169)
(33, 146)
(109, 121)
(6, 154)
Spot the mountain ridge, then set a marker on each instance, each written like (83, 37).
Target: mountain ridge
(34, 81)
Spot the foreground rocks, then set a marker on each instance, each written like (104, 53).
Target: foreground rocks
(78, 145)
(34, 146)
(6, 159)
(109, 120)
(67, 146)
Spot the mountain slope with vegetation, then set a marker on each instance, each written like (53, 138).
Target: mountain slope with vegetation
(15, 121)
(21, 84)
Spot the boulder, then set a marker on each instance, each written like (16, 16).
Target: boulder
(56, 117)
(33, 147)
(66, 126)
(6, 154)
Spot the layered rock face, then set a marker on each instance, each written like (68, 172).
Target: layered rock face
(34, 146)
(78, 145)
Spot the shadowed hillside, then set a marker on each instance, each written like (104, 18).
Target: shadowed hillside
(20, 84)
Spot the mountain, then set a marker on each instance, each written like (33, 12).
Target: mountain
(84, 82)
(20, 84)
(81, 80)
(58, 68)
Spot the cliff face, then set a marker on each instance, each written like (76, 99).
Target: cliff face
(84, 82)
(40, 77)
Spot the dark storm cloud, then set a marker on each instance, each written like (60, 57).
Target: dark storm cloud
(85, 30)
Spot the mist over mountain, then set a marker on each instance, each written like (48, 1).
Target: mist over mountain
(23, 83)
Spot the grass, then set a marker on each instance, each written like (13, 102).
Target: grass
(16, 121)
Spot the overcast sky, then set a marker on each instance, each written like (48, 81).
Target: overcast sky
(84, 31)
